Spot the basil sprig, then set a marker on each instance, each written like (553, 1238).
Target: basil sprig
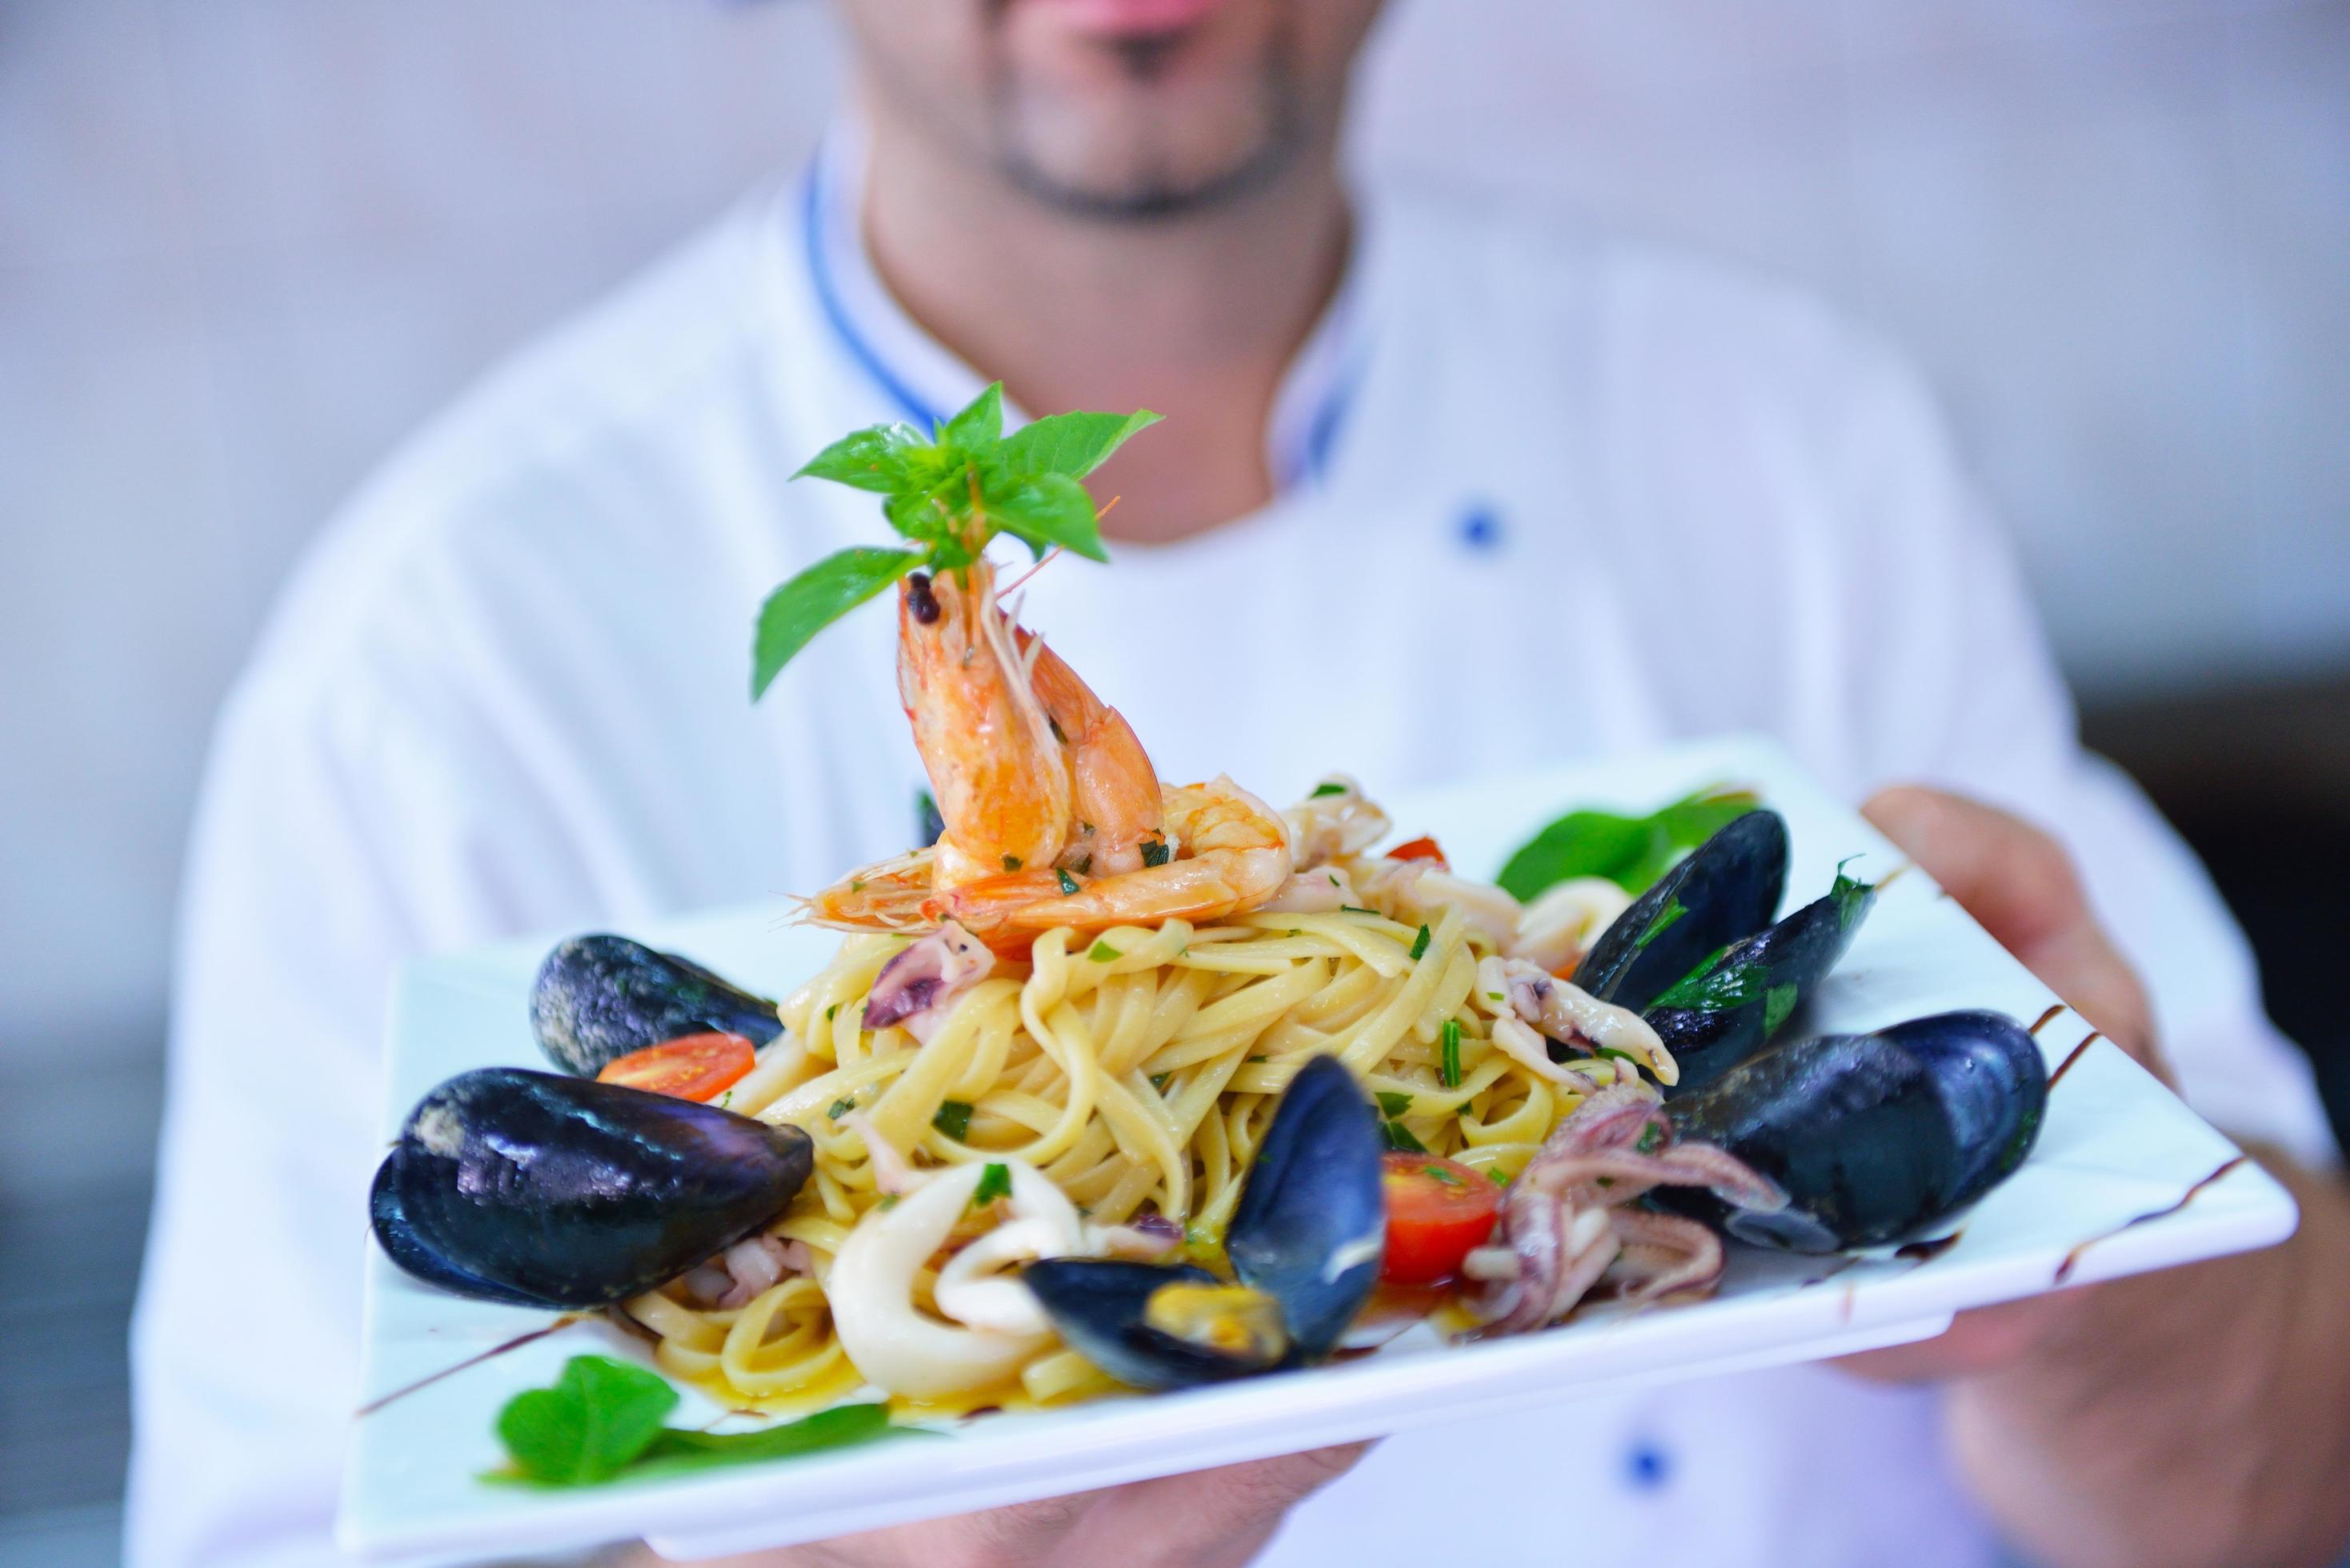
(949, 496)
(1631, 851)
(601, 1420)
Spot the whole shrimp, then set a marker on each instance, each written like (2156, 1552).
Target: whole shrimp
(1054, 814)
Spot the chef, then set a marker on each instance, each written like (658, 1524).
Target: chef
(1445, 488)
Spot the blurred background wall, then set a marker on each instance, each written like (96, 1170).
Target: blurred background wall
(245, 244)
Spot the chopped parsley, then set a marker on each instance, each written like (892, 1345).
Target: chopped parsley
(1501, 1177)
(1012, 863)
(841, 1107)
(953, 1119)
(1419, 944)
(1155, 852)
(1392, 1104)
(1650, 1136)
(994, 1182)
(1666, 917)
(1440, 1174)
(1102, 952)
(1159, 1081)
(1448, 1071)
(1399, 1138)
(1328, 787)
(830, 1012)
(1619, 1055)
(1068, 883)
(1352, 909)
(1082, 865)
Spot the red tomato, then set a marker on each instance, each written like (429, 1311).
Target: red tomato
(690, 1067)
(1420, 849)
(1436, 1210)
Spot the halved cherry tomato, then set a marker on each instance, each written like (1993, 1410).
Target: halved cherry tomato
(1438, 1209)
(689, 1068)
(1420, 849)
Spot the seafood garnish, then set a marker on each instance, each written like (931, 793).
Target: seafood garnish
(1565, 1222)
(917, 989)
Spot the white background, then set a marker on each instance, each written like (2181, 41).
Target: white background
(244, 244)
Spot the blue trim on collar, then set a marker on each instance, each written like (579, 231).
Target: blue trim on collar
(1321, 434)
(925, 418)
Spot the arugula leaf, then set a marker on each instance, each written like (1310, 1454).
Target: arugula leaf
(1072, 444)
(815, 599)
(953, 1119)
(598, 1416)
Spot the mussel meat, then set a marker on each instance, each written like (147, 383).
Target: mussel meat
(1731, 1006)
(1304, 1244)
(1874, 1138)
(538, 1190)
(1727, 887)
(599, 997)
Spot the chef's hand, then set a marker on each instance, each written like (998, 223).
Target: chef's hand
(1214, 1519)
(2195, 1416)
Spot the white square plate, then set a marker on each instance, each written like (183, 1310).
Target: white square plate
(2104, 1193)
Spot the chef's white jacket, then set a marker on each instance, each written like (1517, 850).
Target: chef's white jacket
(1543, 495)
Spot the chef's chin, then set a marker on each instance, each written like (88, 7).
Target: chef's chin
(1147, 109)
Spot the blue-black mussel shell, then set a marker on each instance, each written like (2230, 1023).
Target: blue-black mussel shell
(1735, 1008)
(599, 997)
(1309, 1232)
(534, 1190)
(1727, 887)
(1876, 1138)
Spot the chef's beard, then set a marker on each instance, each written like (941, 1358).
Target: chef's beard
(1145, 180)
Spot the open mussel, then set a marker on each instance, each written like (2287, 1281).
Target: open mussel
(1874, 1137)
(1727, 1008)
(539, 1190)
(599, 997)
(1727, 887)
(1304, 1244)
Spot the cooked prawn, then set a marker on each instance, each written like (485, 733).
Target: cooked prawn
(1053, 813)
(1228, 849)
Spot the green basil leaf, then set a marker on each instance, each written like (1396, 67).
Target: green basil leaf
(979, 426)
(598, 1416)
(1580, 843)
(1072, 445)
(845, 1425)
(815, 599)
(872, 459)
(1047, 510)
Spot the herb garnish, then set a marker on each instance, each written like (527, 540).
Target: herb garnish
(1068, 883)
(1399, 1138)
(1631, 851)
(601, 1421)
(1440, 1174)
(949, 495)
(1354, 909)
(1650, 1136)
(1155, 852)
(994, 1182)
(1328, 787)
(1012, 863)
(1419, 944)
(953, 1119)
(1102, 952)
(1448, 1071)
(841, 1107)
